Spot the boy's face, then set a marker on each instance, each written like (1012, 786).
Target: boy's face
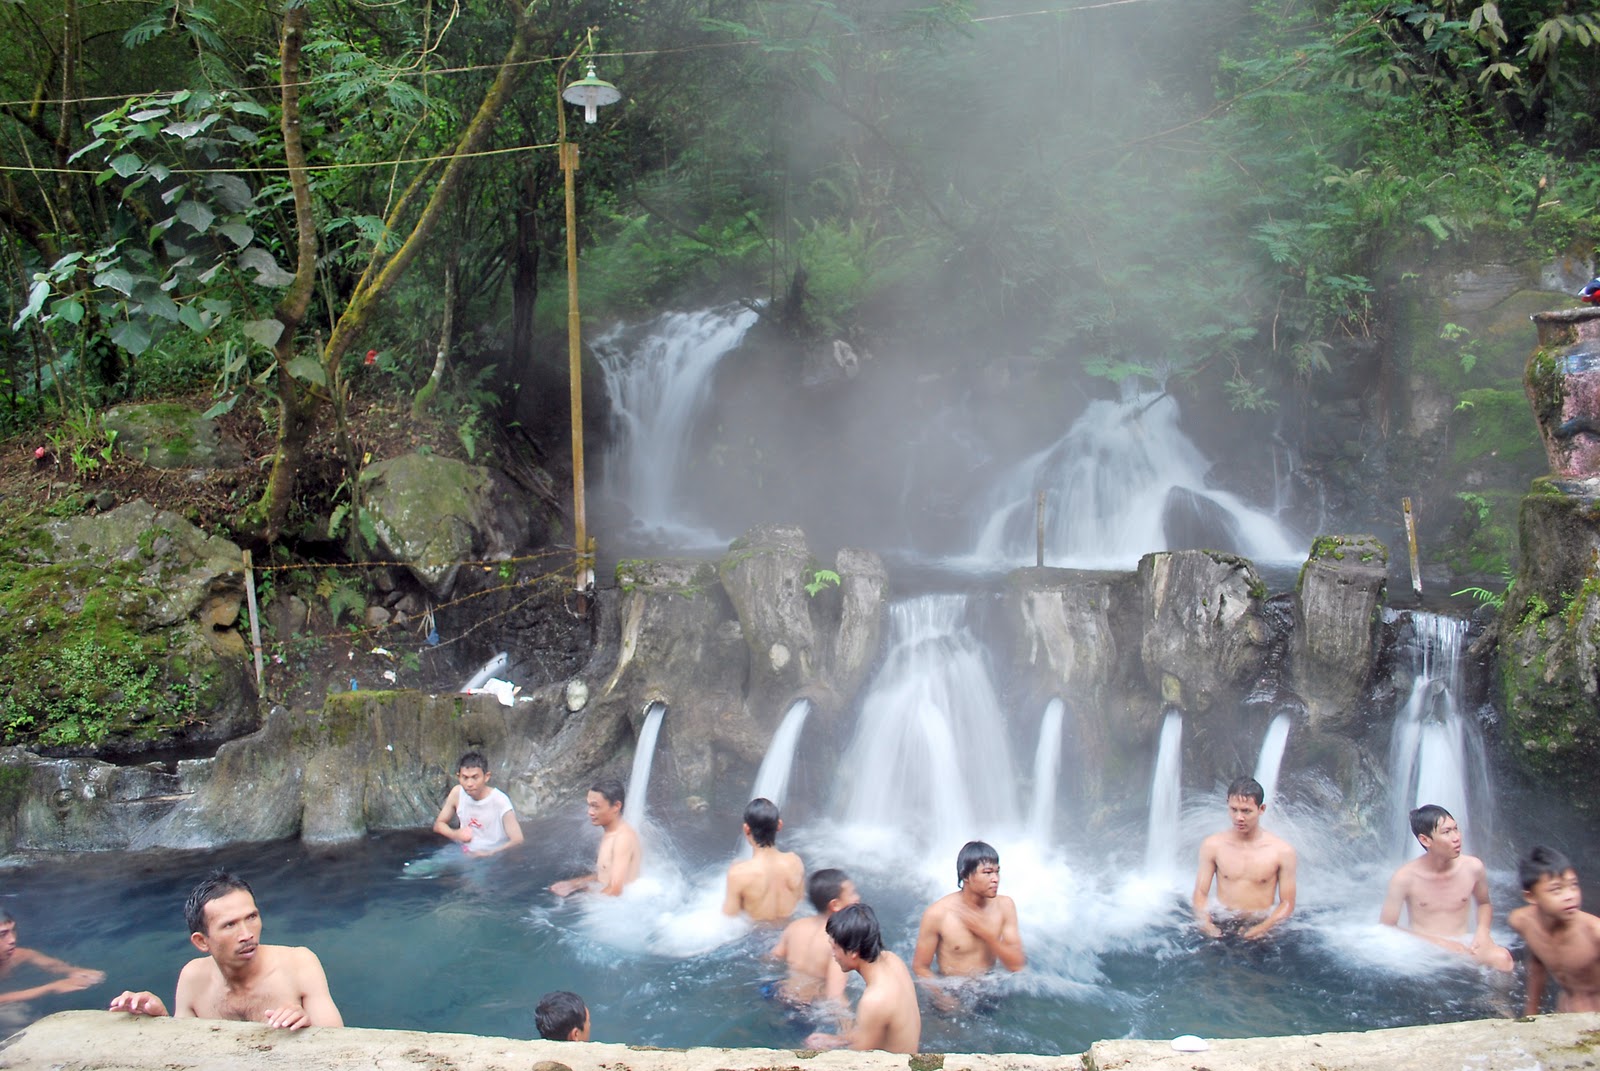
(847, 896)
(1445, 841)
(8, 941)
(1244, 814)
(474, 782)
(1557, 896)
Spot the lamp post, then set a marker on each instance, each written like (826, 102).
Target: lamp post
(592, 93)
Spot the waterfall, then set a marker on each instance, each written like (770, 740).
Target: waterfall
(772, 779)
(930, 730)
(1166, 796)
(1271, 758)
(658, 378)
(1124, 480)
(1436, 754)
(1046, 766)
(643, 758)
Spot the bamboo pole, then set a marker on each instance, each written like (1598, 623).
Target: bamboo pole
(255, 618)
(1411, 541)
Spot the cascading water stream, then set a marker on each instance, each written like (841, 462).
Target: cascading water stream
(635, 808)
(1436, 754)
(1046, 770)
(1123, 481)
(658, 378)
(930, 727)
(1270, 760)
(1166, 799)
(777, 765)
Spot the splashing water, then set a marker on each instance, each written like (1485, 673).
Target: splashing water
(1271, 758)
(772, 779)
(1046, 770)
(1166, 797)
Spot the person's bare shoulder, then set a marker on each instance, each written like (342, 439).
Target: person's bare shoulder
(1520, 919)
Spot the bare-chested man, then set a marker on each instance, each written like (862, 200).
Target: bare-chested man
(617, 863)
(1563, 940)
(767, 885)
(1253, 869)
(239, 977)
(1438, 890)
(814, 975)
(973, 928)
(11, 957)
(887, 1016)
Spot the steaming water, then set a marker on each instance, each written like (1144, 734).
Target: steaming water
(1046, 766)
(658, 379)
(1271, 758)
(1166, 795)
(1112, 484)
(1436, 754)
(637, 804)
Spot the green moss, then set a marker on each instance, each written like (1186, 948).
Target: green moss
(926, 1061)
(13, 788)
(1547, 386)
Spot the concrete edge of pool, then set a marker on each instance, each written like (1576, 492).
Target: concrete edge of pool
(83, 1040)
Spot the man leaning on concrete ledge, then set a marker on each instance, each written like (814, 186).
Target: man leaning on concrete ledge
(239, 977)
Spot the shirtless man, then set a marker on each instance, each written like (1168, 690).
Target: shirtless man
(887, 1016)
(11, 957)
(973, 928)
(1438, 890)
(814, 975)
(240, 978)
(767, 885)
(617, 863)
(1252, 868)
(485, 821)
(1563, 940)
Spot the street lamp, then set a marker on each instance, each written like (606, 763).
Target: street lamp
(593, 93)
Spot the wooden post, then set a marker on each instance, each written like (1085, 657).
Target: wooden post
(1411, 540)
(255, 619)
(1038, 514)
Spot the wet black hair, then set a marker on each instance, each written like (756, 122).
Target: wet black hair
(973, 854)
(1541, 862)
(761, 815)
(473, 760)
(613, 792)
(560, 1013)
(1248, 788)
(855, 930)
(217, 884)
(1426, 819)
(824, 887)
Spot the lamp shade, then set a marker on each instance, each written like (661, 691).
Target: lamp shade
(591, 92)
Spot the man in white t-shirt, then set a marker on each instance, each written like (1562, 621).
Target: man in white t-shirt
(485, 821)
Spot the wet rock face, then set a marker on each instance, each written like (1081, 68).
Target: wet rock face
(1563, 384)
(1203, 632)
(1341, 590)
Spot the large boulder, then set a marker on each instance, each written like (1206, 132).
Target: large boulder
(168, 436)
(1203, 632)
(1341, 590)
(122, 633)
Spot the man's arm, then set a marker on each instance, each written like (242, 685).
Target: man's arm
(1007, 946)
(1394, 899)
(1286, 891)
(447, 814)
(141, 1003)
(1535, 984)
(1202, 889)
(316, 1007)
(1480, 893)
(569, 886)
(872, 1025)
(927, 944)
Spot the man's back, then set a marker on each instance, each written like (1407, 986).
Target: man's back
(887, 1016)
(806, 950)
(767, 886)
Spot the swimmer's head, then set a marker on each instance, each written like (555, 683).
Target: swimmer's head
(826, 886)
(562, 1016)
(855, 930)
(1248, 788)
(761, 819)
(1425, 819)
(473, 760)
(973, 854)
(1541, 863)
(611, 791)
(217, 884)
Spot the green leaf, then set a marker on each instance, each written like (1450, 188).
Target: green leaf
(159, 304)
(93, 145)
(249, 107)
(336, 518)
(220, 408)
(308, 369)
(36, 296)
(196, 215)
(68, 309)
(126, 164)
(117, 279)
(190, 318)
(148, 113)
(132, 336)
(264, 332)
(187, 130)
(237, 233)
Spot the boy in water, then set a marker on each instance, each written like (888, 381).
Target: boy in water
(616, 865)
(562, 1016)
(887, 1016)
(486, 823)
(1438, 890)
(972, 929)
(767, 885)
(805, 947)
(1563, 940)
(11, 957)
(1252, 869)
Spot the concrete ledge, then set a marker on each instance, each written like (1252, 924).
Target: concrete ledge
(85, 1040)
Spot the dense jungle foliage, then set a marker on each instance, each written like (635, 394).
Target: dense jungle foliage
(255, 200)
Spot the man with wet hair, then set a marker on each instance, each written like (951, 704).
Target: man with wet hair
(562, 1016)
(970, 930)
(239, 978)
(1563, 939)
(13, 956)
(766, 886)
(1254, 870)
(485, 821)
(616, 864)
(814, 975)
(1438, 890)
(887, 1016)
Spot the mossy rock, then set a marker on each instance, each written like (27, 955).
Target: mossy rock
(167, 436)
